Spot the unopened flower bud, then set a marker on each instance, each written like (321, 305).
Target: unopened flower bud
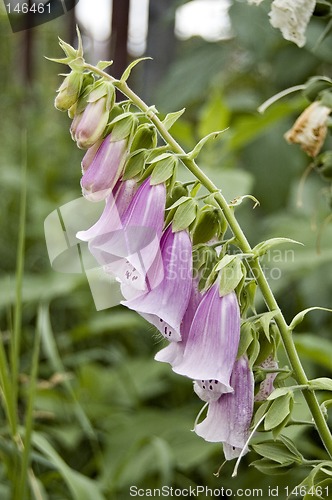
(207, 224)
(145, 138)
(92, 122)
(310, 129)
(69, 91)
(178, 191)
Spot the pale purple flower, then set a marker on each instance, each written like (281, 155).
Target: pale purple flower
(211, 346)
(173, 352)
(228, 419)
(101, 173)
(165, 305)
(266, 386)
(127, 241)
(89, 125)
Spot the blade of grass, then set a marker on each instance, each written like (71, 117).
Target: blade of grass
(16, 334)
(7, 390)
(26, 444)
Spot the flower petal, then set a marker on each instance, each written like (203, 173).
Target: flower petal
(228, 419)
(165, 305)
(104, 170)
(213, 339)
(292, 18)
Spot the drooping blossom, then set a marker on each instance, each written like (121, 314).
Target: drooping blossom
(102, 168)
(310, 129)
(173, 352)
(266, 386)
(292, 18)
(89, 125)
(165, 305)
(228, 418)
(126, 239)
(210, 348)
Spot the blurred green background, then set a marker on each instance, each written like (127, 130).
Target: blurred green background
(105, 414)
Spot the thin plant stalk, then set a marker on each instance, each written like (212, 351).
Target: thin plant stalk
(242, 242)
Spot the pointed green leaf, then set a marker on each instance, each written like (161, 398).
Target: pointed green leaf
(280, 391)
(263, 247)
(64, 60)
(127, 71)
(171, 118)
(299, 317)
(184, 215)
(265, 321)
(68, 49)
(278, 412)
(277, 451)
(246, 338)
(162, 156)
(321, 384)
(197, 149)
(239, 199)
(179, 202)
(163, 170)
(225, 261)
(269, 467)
(104, 64)
(230, 276)
(135, 164)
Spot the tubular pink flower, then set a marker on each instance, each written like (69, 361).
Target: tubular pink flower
(212, 343)
(127, 238)
(173, 352)
(104, 170)
(91, 123)
(228, 419)
(111, 219)
(165, 305)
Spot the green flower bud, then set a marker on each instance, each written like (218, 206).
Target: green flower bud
(177, 192)
(315, 86)
(145, 138)
(323, 164)
(69, 91)
(207, 224)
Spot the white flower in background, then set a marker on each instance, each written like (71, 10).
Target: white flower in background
(292, 18)
(310, 129)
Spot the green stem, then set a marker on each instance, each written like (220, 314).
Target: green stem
(271, 303)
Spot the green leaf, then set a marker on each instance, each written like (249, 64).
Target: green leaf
(246, 338)
(104, 64)
(278, 412)
(179, 202)
(277, 451)
(230, 276)
(280, 391)
(321, 384)
(171, 118)
(269, 467)
(135, 164)
(163, 170)
(197, 149)
(81, 487)
(184, 215)
(239, 199)
(263, 247)
(299, 317)
(127, 71)
(265, 321)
